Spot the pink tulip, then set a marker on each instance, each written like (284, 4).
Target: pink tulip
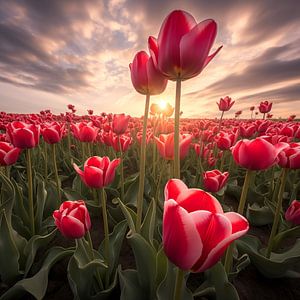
(293, 213)
(120, 123)
(196, 231)
(8, 154)
(85, 132)
(265, 107)
(98, 171)
(53, 132)
(290, 156)
(225, 104)
(214, 180)
(182, 48)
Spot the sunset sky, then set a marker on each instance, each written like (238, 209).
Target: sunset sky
(57, 52)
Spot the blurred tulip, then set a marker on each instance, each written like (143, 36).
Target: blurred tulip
(72, 219)
(226, 140)
(265, 107)
(257, 154)
(247, 131)
(214, 180)
(52, 133)
(8, 154)
(120, 123)
(293, 213)
(290, 157)
(84, 132)
(98, 171)
(196, 231)
(23, 135)
(182, 48)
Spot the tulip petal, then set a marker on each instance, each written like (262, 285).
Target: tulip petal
(72, 228)
(173, 188)
(111, 170)
(182, 243)
(93, 177)
(12, 156)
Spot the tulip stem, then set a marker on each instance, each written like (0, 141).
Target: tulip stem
(122, 169)
(176, 130)
(283, 177)
(56, 171)
(220, 122)
(106, 234)
(178, 284)
(30, 191)
(140, 196)
(46, 161)
(228, 257)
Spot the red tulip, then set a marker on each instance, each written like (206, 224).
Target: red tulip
(265, 107)
(23, 135)
(196, 231)
(125, 142)
(225, 103)
(85, 132)
(247, 131)
(293, 213)
(8, 154)
(72, 219)
(165, 145)
(252, 108)
(145, 78)
(290, 157)
(98, 171)
(120, 123)
(257, 154)
(226, 140)
(53, 133)
(182, 48)
(214, 180)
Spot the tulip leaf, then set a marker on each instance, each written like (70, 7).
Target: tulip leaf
(37, 284)
(9, 253)
(40, 204)
(130, 216)
(33, 245)
(148, 225)
(132, 193)
(285, 264)
(293, 232)
(259, 216)
(7, 196)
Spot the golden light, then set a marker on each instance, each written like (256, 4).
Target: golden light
(162, 104)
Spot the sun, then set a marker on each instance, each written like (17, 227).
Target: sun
(162, 104)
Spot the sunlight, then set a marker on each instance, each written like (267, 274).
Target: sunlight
(162, 104)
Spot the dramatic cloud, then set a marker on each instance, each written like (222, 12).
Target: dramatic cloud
(79, 51)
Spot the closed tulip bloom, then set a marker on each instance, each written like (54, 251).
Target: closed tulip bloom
(165, 145)
(214, 180)
(247, 131)
(226, 140)
(225, 103)
(293, 213)
(8, 154)
(146, 79)
(182, 48)
(23, 135)
(85, 132)
(265, 107)
(72, 219)
(120, 123)
(98, 171)
(196, 231)
(290, 157)
(125, 142)
(53, 132)
(257, 154)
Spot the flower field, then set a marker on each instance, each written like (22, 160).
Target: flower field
(161, 207)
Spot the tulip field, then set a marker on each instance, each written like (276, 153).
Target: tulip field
(160, 207)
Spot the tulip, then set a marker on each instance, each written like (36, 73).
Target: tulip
(120, 123)
(290, 157)
(53, 132)
(85, 132)
(226, 140)
(265, 107)
(196, 231)
(98, 171)
(247, 131)
(72, 219)
(8, 154)
(165, 145)
(257, 154)
(293, 213)
(225, 104)
(214, 180)
(23, 135)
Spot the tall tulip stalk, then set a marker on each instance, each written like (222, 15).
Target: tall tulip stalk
(224, 105)
(147, 80)
(181, 52)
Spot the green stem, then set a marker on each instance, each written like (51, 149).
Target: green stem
(220, 122)
(176, 130)
(106, 234)
(223, 160)
(56, 171)
(46, 161)
(283, 177)
(30, 191)
(140, 196)
(178, 284)
(228, 257)
(122, 170)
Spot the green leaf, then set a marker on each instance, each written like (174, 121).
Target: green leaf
(285, 264)
(293, 232)
(259, 216)
(33, 245)
(37, 284)
(40, 204)
(7, 196)
(130, 216)
(9, 253)
(148, 226)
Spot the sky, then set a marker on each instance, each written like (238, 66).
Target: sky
(57, 52)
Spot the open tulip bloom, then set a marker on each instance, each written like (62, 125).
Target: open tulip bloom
(196, 231)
